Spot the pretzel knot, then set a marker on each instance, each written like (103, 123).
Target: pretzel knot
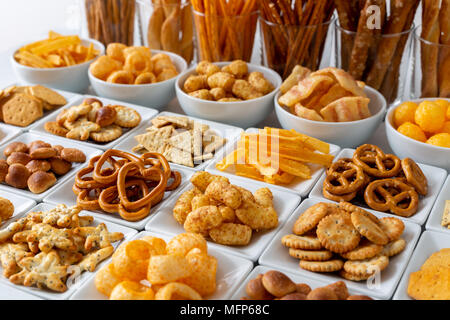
(129, 185)
(392, 195)
(344, 177)
(375, 162)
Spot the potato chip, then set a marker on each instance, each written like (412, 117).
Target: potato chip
(185, 242)
(131, 259)
(177, 291)
(167, 268)
(203, 276)
(130, 290)
(106, 279)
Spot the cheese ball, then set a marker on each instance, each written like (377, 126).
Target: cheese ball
(430, 117)
(405, 113)
(440, 140)
(412, 131)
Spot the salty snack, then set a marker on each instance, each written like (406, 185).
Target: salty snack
(23, 105)
(37, 165)
(432, 281)
(226, 213)
(341, 237)
(427, 122)
(230, 84)
(130, 186)
(44, 248)
(179, 269)
(330, 95)
(55, 52)
(382, 181)
(6, 209)
(275, 285)
(276, 156)
(133, 65)
(446, 215)
(93, 121)
(180, 140)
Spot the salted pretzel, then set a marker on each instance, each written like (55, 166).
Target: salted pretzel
(392, 195)
(344, 177)
(124, 183)
(414, 176)
(339, 198)
(375, 162)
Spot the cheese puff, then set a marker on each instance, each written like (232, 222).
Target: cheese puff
(218, 93)
(121, 77)
(227, 213)
(412, 131)
(195, 83)
(221, 80)
(203, 219)
(137, 63)
(405, 113)
(116, 51)
(225, 193)
(201, 180)
(202, 94)
(166, 74)
(264, 197)
(237, 68)
(244, 90)
(177, 291)
(440, 140)
(206, 68)
(183, 205)
(185, 242)
(200, 201)
(130, 290)
(446, 128)
(167, 268)
(145, 78)
(131, 259)
(260, 83)
(106, 279)
(104, 66)
(430, 117)
(157, 245)
(203, 276)
(230, 100)
(146, 52)
(161, 61)
(231, 234)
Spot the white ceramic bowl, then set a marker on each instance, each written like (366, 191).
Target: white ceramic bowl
(153, 95)
(242, 114)
(73, 78)
(421, 152)
(344, 134)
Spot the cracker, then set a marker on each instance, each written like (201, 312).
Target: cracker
(322, 255)
(337, 233)
(197, 139)
(159, 123)
(365, 250)
(107, 134)
(393, 248)
(322, 266)
(309, 219)
(53, 127)
(353, 277)
(203, 157)
(446, 215)
(392, 227)
(22, 110)
(366, 267)
(82, 130)
(182, 141)
(178, 122)
(181, 157)
(430, 284)
(155, 140)
(215, 145)
(127, 117)
(440, 258)
(301, 242)
(47, 95)
(365, 224)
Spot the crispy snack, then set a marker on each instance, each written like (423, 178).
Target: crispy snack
(393, 248)
(185, 242)
(446, 215)
(6, 209)
(106, 279)
(322, 266)
(231, 234)
(369, 226)
(10, 255)
(203, 276)
(168, 268)
(365, 250)
(310, 255)
(392, 227)
(130, 290)
(337, 234)
(179, 291)
(309, 219)
(366, 267)
(301, 242)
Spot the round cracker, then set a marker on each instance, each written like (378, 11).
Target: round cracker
(107, 134)
(301, 242)
(353, 277)
(366, 226)
(322, 266)
(366, 267)
(309, 219)
(365, 250)
(337, 233)
(127, 117)
(322, 255)
(393, 227)
(393, 248)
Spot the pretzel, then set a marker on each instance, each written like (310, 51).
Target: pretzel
(392, 195)
(375, 162)
(414, 176)
(339, 198)
(129, 186)
(344, 177)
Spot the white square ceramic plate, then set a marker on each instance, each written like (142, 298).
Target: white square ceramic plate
(435, 218)
(435, 177)
(277, 256)
(70, 96)
(429, 243)
(231, 270)
(284, 204)
(8, 132)
(8, 292)
(146, 113)
(53, 140)
(21, 204)
(47, 294)
(299, 186)
(64, 194)
(223, 130)
(313, 283)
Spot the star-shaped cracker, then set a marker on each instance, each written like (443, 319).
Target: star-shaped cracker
(60, 216)
(48, 237)
(43, 270)
(98, 236)
(10, 255)
(90, 261)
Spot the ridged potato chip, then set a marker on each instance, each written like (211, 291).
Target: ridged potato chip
(203, 276)
(106, 279)
(131, 259)
(177, 291)
(130, 290)
(185, 242)
(167, 268)
(231, 234)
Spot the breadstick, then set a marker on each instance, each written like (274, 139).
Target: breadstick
(444, 54)
(154, 28)
(187, 44)
(170, 31)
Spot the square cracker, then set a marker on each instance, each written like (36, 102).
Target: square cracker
(178, 122)
(156, 139)
(47, 95)
(159, 123)
(22, 110)
(430, 284)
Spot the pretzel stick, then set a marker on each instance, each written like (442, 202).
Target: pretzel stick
(444, 55)
(200, 23)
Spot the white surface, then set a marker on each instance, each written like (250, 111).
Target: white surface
(21, 204)
(146, 114)
(299, 186)
(8, 132)
(435, 177)
(277, 256)
(345, 134)
(155, 95)
(8, 292)
(64, 194)
(231, 271)
(47, 294)
(223, 130)
(435, 218)
(284, 204)
(53, 140)
(406, 147)
(242, 114)
(429, 243)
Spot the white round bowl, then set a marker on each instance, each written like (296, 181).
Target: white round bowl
(344, 134)
(153, 95)
(73, 78)
(421, 152)
(242, 114)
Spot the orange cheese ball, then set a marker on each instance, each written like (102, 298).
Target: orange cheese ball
(446, 128)
(430, 117)
(440, 140)
(443, 104)
(412, 131)
(405, 113)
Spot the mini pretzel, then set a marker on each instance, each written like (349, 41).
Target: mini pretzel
(375, 162)
(414, 176)
(344, 177)
(390, 195)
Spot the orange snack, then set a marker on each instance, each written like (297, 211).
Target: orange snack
(430, 117)
(405, 113)
(440, 140)
(413, 131)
